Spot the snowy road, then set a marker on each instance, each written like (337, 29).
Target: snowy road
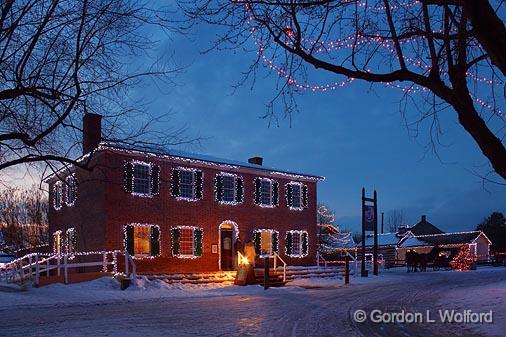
(276, 312)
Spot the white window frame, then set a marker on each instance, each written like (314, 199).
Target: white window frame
(271, 183)
(270, 231)
(70, 181)
(234, 177)
(57, 244)
(150, 188)
(300, 249)
(192, 184)
(150, 226)
(192, 255)
(300, 186)
(58, 195)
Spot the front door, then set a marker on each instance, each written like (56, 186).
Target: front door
(226, 249)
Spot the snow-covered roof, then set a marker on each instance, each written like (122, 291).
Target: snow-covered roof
(5, 258)
(442, 239)
(385, 239)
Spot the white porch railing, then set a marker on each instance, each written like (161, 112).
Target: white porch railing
(276, 257)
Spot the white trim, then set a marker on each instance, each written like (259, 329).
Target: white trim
(235, 232)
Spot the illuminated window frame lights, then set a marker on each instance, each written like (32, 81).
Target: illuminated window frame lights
(58, 196)
(134, 162)
(150, 234)
(300, 233)
(72, 177)
(194, 183)
(288, 197)
(186, 256)
(235, 176)
(271, 231)
(260, 204)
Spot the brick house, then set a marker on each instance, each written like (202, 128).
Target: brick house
(180, 212)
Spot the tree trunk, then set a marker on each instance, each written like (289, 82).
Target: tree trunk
(490, 145)
(489, 30)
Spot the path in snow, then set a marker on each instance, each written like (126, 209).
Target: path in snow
(291, 311)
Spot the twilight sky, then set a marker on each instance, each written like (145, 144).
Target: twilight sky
(354, 136)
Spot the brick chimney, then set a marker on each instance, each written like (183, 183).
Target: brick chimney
(424, 218)
(256, 160)
(92, 131)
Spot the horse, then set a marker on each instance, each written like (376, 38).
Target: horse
(411, 260)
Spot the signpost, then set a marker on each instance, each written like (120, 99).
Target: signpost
(370, 223)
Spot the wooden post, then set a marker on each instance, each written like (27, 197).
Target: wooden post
(347, 269)
(37, 270)
(65, 270)
(29, 266)
(126, 263)
(266, 272)
(362, 269)
(104, 262)
(47, 266)
(375, 248)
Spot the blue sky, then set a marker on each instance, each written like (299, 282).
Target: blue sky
(353, 136)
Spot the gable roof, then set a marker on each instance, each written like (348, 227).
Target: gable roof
(385, 239)
(424, 228)
(457, 238)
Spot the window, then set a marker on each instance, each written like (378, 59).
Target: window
(142, 240)
(142, 178)
(266, 192)
(296, 196)
(186, 241)
(186, 185)
(266, 242)
(296, 243)
(57, 242)
(58, 194)
(70, 241)
(229, 188)
(71, 190)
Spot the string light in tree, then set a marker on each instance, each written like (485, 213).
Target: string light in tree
(463, 260)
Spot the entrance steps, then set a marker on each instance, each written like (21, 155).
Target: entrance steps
(292, 272)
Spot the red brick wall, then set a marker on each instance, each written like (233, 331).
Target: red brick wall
(122, 208)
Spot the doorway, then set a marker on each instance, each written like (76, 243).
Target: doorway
(226, 249)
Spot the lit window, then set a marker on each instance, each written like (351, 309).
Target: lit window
(57, 242)
(142, 241)
(142, 178)
(228, 188)
(266, 243)
(186, 184)
(58, 194)
(186, 242)
(71, 190)
(70, 244)
(266, 192)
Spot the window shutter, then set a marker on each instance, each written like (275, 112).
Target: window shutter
(304, 196)
(275, 241)
(257, 190)
(275, 193)
(198, 184)
(197, 237)
(219, 188)
(258, 242)
(175, 234)
(155, 179)
(239, 190)
(128, 177)
(289, 199)
(174, 184)
(289, 243)
(129, 239)
(305, 244)
(155, 241)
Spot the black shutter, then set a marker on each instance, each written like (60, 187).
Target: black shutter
(257, 190)
(219, 188)
(289, 243)
(155, 179)
(305, 244)
(175, 234)
(304, 195)
(289, 199)
(239, 189)
(155, 241)
(258, 242)
(197, 237)
(275, 193)
(174, 183)
(275, 241)
(129, 239)
(128, 177)
(198, 184)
